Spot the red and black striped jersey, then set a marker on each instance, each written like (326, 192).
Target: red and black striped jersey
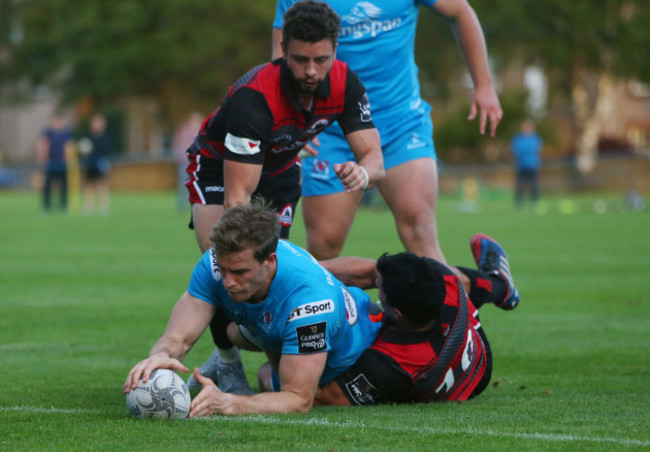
(261, 120)
(444, 363)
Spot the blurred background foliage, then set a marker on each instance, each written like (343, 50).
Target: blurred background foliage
(185, 53)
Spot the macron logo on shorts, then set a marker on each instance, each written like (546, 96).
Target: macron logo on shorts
(242, 146)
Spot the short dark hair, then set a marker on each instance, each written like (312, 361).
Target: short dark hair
(310, 21)
(254, 225)
(415, 285)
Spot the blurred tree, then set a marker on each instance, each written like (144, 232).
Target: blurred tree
(185, 53)
(182, 53)
(585, 47)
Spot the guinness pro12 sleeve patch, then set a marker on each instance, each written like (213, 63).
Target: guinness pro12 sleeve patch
(311, 338)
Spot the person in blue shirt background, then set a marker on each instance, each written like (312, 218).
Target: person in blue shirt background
(526, 147)
(51, 152)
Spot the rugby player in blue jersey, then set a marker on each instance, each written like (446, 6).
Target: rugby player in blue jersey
(377, 41)
(310, 325)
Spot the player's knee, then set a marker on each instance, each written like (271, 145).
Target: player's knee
(325, 245)
(417, 222)
(264, 377)
(323, 250)
(239, 339)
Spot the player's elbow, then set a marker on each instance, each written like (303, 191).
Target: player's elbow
(304, 407)
(302, 403)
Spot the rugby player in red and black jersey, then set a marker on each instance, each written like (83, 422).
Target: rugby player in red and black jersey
(432, 346)
(249, 146)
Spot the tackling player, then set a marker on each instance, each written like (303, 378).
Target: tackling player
(249, 145)
(432, 346)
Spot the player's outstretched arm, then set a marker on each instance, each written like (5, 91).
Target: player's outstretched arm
(188, 320)
(469, 35)
(353, 271)
(299, 376)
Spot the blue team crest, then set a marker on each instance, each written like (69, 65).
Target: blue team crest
(266, 320)
(320, 169)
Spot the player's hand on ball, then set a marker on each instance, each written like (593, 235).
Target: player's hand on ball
(144, 368)
(353, 176)
(211, 399)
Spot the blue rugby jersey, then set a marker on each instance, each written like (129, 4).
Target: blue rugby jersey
(306, 311)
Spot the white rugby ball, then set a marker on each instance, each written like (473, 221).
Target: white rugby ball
(165, 396)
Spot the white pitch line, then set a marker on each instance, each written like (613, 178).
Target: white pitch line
(36, 409)
(470, 431)
(49, 346)
(359, 424)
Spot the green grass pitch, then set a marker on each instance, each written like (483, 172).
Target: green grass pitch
(82, 299)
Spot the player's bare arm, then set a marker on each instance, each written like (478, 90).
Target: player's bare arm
(468, 33)
(353, 271)
(240, 181)
(299, 376)
(368, 169)
(205, 216)
(187, 322)
(276, 43)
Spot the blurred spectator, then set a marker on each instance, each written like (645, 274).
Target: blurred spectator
(51, 152)
(183, 138)
(526, 147)
(634, 201)
(95, 149)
